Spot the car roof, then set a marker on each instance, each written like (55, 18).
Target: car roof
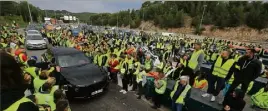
(64, 50)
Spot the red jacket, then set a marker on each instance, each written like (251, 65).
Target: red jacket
(113, 63)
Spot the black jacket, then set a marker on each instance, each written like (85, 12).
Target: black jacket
(235, 103)
(8, 97)
(249, 69)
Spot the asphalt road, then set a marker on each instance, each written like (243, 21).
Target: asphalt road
(111, 100)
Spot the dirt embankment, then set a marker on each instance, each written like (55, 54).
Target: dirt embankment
(240, 34)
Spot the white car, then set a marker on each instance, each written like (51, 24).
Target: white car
(35, 42)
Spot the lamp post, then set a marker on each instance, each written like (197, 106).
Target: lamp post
(29, 12)
(202, 16)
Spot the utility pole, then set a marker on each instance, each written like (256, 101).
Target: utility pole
(202, 16)
(117, 22)
(29, 12)
(142, 19)
(129, 19)
(55, 14)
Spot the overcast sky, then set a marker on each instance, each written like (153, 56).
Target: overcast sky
(97, 6)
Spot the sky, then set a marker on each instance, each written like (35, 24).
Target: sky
(96, 6)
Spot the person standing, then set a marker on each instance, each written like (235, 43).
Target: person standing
(124, 74)
(160, 88)
(180, 93)
(196, 60)
(249, 69)
(219, 71)
(113, 71)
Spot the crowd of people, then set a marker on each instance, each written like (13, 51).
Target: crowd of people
(145, 62)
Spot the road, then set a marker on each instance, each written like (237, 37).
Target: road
(112, 100)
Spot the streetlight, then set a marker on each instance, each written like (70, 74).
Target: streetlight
(142, 19)
(29, 12)
(202, 16)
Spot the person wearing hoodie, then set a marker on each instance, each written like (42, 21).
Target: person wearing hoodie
(13, 86)
(260, 99)
(234, 102)
(249, 68)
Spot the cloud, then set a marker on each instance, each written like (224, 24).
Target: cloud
(88, 6)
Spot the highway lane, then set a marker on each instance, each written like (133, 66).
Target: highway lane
(111, 100)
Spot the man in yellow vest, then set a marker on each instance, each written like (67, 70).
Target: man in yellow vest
(180, 93)
(148, 63)
(124, 71)
(136, 71)
(44, 97)
(160, 88)
(219, 69)
(31, 69)
(196, 60)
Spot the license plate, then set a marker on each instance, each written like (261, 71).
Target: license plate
(97, 92)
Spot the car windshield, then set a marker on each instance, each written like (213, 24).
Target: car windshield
(72, 60)
(34, 37)
(33, 32)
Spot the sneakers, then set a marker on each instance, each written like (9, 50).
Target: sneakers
(213, 98)
(124, 92)
(205, 95)
(121, 90)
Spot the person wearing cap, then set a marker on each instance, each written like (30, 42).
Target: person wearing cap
(219, 71)
(249, 68)
(160, 88)
(180, 93)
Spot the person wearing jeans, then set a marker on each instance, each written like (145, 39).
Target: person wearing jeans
(219, 70)
(181, 93)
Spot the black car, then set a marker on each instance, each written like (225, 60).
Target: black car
(75, 74)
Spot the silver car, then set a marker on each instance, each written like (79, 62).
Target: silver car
(35, 41)
(32, 32)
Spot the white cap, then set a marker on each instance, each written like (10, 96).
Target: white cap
(185, 78)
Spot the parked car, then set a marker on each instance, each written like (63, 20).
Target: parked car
(76, 75)
(35, 41)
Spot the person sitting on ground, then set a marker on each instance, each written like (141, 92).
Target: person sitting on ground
(234, 102)
(13, 86)
(200, 81)
(260, 99)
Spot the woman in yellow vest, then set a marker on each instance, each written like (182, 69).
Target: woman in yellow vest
(180, 93)
(160, 88)
(13, 86)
